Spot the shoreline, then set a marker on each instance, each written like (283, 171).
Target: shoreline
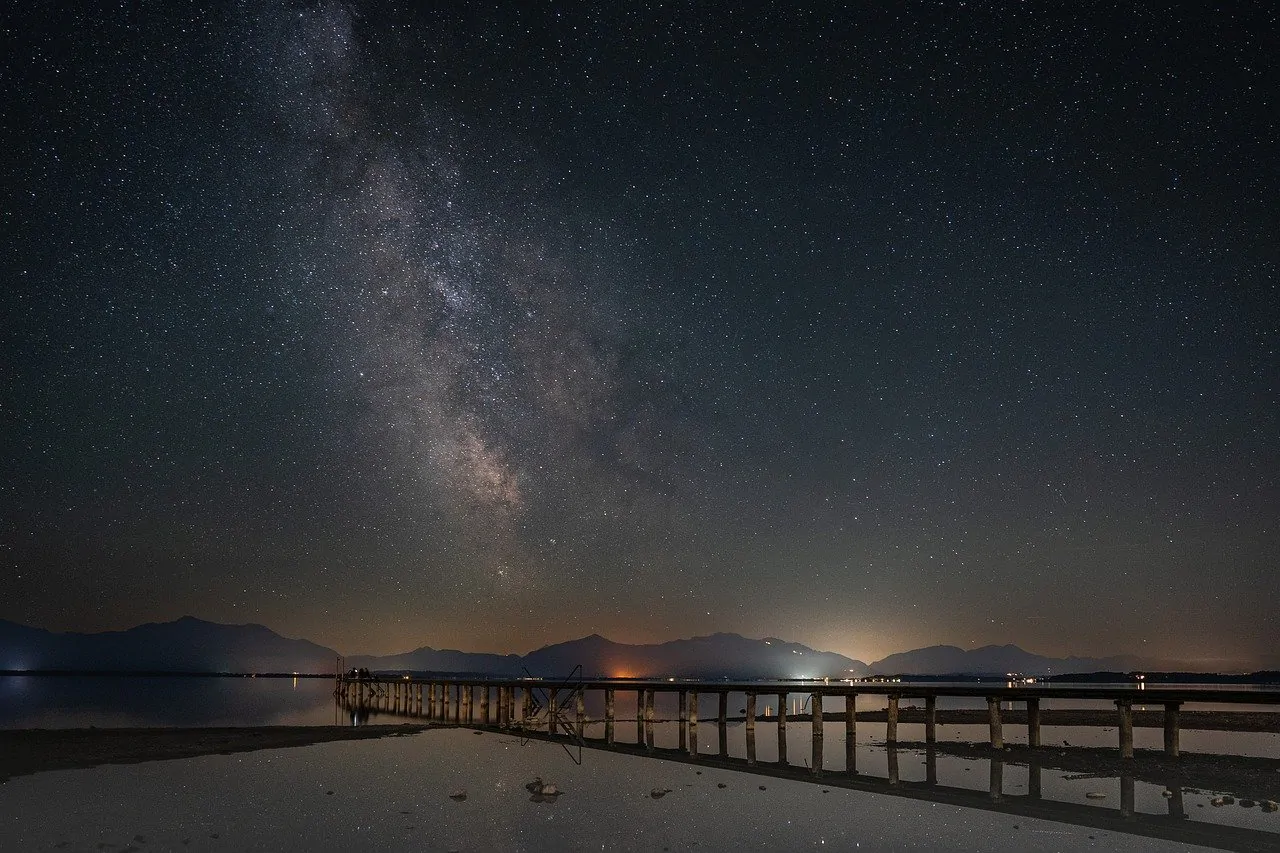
(26, 751)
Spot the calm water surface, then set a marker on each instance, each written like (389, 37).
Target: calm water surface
(67, 701)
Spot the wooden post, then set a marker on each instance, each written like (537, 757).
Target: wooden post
(751, 728)
(526, 706)
(683, 714)
(930, 719)
(649, 702)
(640, 717)
(553, 706)
(581, 710)
(993, 719)
(816, 700)
(1171, 725)
(851, 733)
(608, 715)
(891, 756)
(1125, 706)
(1033, 723)
(782, 728)
(722, 725)
(891, 721)
(466, 715)
(693, 723)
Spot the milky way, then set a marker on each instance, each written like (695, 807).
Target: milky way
(488, 327)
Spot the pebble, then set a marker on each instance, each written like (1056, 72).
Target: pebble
(459, 795)
(1096, 795)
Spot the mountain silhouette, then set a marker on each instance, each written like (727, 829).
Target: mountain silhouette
(194, 645)
(993, 660)
(184, 645)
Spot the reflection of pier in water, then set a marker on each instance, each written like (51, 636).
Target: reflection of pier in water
(556, 712)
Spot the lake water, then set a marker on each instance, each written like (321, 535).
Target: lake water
(68, 702)
(394, 794)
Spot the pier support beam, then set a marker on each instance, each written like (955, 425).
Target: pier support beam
(1172, 712)
(751, 728)
(930, 719)
(648, 719)
(484, 705)
(851, 733)
(891, 721)
(464, 714)
(640, 717)
(581, 710)
(1033, 722)
(722, 723)
(683, 714)
(693, 723)
(816, 701)
(891, 757)
(1125, 707)
(552, 707)
(609, 695)
(782, 728)
(993, 719)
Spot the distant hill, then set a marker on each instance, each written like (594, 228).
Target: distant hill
(427, 659)
(185, 645)
(994, 660)
(713, 656)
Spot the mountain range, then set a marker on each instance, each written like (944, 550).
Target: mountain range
(194, 645)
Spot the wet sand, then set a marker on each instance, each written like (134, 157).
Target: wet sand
(24, 751)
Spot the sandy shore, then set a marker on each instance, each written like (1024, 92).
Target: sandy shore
(24, 751)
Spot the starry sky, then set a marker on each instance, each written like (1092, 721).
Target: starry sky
(493, 325)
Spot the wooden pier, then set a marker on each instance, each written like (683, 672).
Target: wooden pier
(559, 707)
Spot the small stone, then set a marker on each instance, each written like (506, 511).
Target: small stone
(659, 793)
(1247, 804)
(458, 795)
(1166, 793)
(328, 793)
(721, 785)
(1270, 805)
(1096, 795)
(762, 788)
(550, 791)
(535, 786)
(1217, 801)
(1229, 800)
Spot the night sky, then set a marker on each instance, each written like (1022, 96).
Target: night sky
(488, 326)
